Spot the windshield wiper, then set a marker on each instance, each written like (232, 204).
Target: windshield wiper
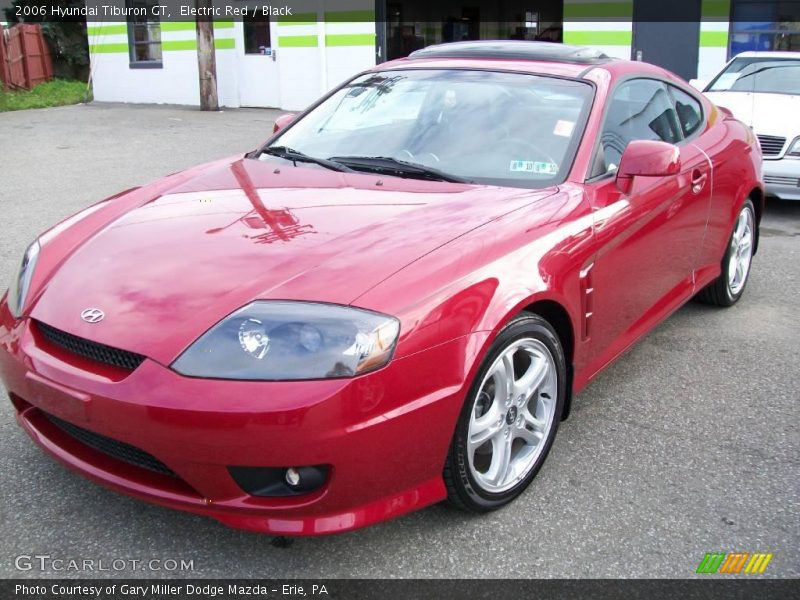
(395, 166)
(296, 156)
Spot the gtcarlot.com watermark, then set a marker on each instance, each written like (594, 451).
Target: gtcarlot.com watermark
(49, 563)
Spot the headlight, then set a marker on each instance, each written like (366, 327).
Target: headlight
(18, 291)
(281, 340)
(794, 149)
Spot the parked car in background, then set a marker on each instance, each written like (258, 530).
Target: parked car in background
(393, 300)
(762, 89)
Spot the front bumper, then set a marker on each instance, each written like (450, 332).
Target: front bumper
(384, 435)
(782, 178)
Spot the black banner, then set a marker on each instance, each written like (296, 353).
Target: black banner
(489, 589)
(420, 11)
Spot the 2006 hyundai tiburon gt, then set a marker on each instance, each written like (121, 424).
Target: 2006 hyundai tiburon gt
(390, 303)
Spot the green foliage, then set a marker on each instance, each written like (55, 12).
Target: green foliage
(52, 93)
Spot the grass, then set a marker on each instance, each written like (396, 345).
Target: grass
(51, 93)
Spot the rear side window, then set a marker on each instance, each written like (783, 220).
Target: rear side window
(640, 109)
(690, 113)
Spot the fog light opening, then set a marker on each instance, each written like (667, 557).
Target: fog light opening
(292, 477)
(280, 481)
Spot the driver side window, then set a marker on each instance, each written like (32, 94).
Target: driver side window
(640, 109)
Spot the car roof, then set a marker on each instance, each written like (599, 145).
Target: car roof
(514, 50)
(756, 54)
(543, 58)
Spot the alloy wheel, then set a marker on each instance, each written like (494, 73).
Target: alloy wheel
(512, 415)
(741, 252)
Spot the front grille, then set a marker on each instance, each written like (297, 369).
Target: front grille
(91, 350)
(110, 447)
(780, 180)
(771, 145)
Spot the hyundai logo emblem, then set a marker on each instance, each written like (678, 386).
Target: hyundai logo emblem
(93, 315)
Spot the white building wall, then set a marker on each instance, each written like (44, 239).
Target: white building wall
(614, 35)
(344, 61)
(714, 38)
(175, 82)
(315, 51)
(227, 80)
(300, 62)
(318, 49)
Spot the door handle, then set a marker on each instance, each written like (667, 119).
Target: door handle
(698, 181)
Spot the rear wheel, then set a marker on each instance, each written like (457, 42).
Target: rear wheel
(729, 286)
(510, 417)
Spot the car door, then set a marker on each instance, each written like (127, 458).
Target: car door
(697, 165)
(648, 239)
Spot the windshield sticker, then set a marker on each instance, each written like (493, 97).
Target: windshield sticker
(564, 128)
(528, 166)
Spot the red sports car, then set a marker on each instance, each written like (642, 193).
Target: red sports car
(394, 300)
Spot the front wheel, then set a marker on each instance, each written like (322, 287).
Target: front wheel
(510, 417)
(729, 286)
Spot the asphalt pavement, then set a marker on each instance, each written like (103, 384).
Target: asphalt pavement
(686, 445)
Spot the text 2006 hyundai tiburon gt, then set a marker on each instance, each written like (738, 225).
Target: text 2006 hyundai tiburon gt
(393, 301)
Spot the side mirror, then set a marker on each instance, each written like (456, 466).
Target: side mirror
(645, 158)
(282, 121)
(698, 84)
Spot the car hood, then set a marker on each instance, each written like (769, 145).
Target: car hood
(171, 267)
(767, 114)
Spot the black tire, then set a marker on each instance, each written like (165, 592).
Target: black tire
(718, 292)
(463, 491)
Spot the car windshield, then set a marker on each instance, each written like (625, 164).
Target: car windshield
(759, 74)
(486, 127)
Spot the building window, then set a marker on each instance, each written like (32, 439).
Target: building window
(144, 37)
(765, 26)
(256, 34)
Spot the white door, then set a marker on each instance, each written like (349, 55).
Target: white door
(257, 62)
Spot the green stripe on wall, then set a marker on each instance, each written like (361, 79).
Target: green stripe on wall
(352, 39)
(719, 9)
(224, 43)
(166, 46)
(350, 16)
(190, 25)
(183, 45)
(174, 45)
(108, 48)
(598, 38)
(298, 19)
(121, 29)
(298, 41)
(106, 30)
(598, 10)
(177, 26)
(713, 39)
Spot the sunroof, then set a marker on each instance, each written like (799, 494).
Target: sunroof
(514, 49)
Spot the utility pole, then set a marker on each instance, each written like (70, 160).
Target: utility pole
(206, 57)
